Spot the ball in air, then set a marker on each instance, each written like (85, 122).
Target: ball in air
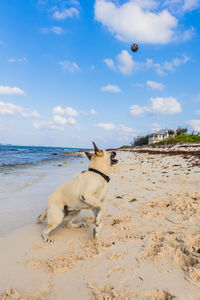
(134, 47)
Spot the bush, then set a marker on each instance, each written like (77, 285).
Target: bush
(140, 140)
(171, 132)
(181, 138)
(124, 146)
(181, 130)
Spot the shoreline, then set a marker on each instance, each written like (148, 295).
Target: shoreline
(24, 191)
(148, 246)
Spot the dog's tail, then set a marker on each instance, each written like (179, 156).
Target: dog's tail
(42, 217)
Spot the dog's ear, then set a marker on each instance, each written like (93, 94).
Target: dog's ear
(89, 155)
(96, 149)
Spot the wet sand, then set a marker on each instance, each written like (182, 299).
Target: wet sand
(149, 246)
(24, 191)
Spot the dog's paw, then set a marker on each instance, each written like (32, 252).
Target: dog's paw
(82, 224)
(96, 230)
(47, 240)
(94, 233)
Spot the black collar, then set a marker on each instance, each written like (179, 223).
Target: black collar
(107, 178)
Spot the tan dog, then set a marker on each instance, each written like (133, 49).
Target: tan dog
(87, 191)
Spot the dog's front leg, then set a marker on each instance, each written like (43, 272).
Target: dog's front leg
(98, 212)
(98, 209)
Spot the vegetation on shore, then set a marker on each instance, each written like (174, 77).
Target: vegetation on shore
(140, 140)
(182, 138)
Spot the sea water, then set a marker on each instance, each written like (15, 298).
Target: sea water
(28, 175)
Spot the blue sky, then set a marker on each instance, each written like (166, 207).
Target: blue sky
(68, 76)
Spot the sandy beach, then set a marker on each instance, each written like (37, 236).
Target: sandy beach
(149, 246)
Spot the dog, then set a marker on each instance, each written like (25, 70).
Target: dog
(87, 191)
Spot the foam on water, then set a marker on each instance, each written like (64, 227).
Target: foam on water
(20, 156)
(24, 189)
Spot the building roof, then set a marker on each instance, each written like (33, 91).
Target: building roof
(162, 131)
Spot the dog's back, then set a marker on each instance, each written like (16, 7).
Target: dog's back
(87, 191)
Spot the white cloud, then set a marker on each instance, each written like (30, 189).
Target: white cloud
(166, 66)
(197, 111)
(156, 127)
(155, 85)
(170, 65)
(68, 111)
(122, 133)
(121, 128)
(57, 123)
(26, 112)
(188, 34)
(70, 66)
(58, 120)
(106, 126)
(111, 88)
(39, 124)
(20, 60)
(74, 2)
(93, 111)
(7, 108)
(71, 121)
(190, 5)
(159, 105)
(110, 63)
(55, 29)
(166, 106)
(11, 109)
(66, 13)
(135, 21)
(181, 6)
(194, 124)
(7, 90)
(125, 133)
(137, 110)
(148, 4)
(125, 62)
(125, 130)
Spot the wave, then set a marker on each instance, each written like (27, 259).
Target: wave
(22, 156)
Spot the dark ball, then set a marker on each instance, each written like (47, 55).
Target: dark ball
(134, 48)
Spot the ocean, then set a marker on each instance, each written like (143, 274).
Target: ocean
(28, 175)
(19, 156)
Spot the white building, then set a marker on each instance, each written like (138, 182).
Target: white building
(159, 136)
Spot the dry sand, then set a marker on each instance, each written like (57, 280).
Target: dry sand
(149, 246)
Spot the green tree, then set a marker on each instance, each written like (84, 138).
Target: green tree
(181, 130)
(140, 140)
(171, 132)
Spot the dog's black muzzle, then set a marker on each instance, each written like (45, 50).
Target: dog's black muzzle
(112, 156)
